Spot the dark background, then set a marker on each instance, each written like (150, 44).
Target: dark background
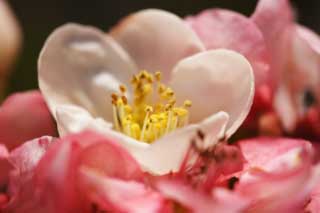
(39, 17)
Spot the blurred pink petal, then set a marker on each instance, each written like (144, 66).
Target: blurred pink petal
(218, 28)
(274, 18)
(314, 204)
(24, 116)
(295, 63)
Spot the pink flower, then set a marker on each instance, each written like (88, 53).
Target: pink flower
(285, 60)
(294, 52)
(80, 67)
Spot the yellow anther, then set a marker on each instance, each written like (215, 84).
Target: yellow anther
(187, 103)
(114, 97)
(127, 109)
(147, 88)
(122, 88)
(161, 88)
(148, 109)
(180, 111)
(158, 76)
(124, 100)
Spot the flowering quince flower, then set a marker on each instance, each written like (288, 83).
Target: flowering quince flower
(23, 116)
(10, 41)
(80, 67)
(285, 58)
(294, 52)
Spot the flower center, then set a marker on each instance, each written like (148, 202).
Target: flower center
(151, 114)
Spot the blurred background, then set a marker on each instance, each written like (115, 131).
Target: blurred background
(39, 18)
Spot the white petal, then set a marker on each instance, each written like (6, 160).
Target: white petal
(167, 153)
(82, 66)
(218, 80)
(285, 108)
(73, 119)
(156, 39)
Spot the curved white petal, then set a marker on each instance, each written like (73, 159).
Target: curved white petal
(217, 80)
(156, 39)
(167, 153)
(73, 119)
(82, 66)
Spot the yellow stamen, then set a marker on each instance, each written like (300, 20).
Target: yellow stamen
(145, 120)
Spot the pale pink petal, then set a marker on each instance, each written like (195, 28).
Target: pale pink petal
(116, 195)
(285, 107)
(305, 65)
(82, 66)
(24, 116)
(314, 204)
(216, 80)
(275, 155)
(24, 160)
(218, 28)
(156, 39)
(275, 19)
(10, 41)
(283, 192)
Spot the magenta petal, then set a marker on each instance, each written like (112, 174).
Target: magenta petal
(24, 116)
(219, 28)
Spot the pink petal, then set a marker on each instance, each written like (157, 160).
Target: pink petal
(314, 205)
(270, 154)
(197, 201)
(24, 159)
(58, 173)
(219, 28)
(283, 192)
(24, 116)
(4, 165)
(121, 196)
(275, 19)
